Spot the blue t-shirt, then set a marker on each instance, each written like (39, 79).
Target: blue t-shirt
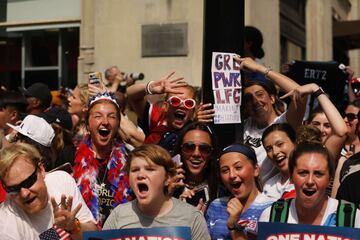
(217, 216)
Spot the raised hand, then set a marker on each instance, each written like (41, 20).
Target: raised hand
(94, 89)
(300, 92)
(177, 180)
(205, 113)
(64, 216)
(248, 64)
(167, 84)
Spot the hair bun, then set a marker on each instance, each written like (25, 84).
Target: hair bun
(308, 134)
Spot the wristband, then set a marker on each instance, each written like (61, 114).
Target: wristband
(267, 70)
(231, 228)
(147, 88)
(77, 227)
(239, 227)
(318, 92)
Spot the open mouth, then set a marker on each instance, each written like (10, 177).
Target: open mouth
(179, 115)
(309, 192)
(196, 162)
(280, 159)
(143, 188)
(29, 201)
(104, 132)
(236, 185)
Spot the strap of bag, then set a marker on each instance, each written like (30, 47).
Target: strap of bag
(345, 215)
(280, 211)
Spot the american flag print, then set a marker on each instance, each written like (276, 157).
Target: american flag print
(55, 233)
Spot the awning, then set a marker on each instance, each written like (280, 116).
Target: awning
(37, 25)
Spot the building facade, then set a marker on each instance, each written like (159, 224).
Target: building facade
(59, 44)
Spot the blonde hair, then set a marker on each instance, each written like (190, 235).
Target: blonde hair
(84, 93)
(9, 154)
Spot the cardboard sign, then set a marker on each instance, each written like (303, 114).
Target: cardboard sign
(281, 231)
(160, 233)
(226, 86)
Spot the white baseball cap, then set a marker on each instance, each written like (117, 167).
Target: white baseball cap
(37, 129)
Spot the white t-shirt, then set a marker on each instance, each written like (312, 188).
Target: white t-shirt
(252, 137)
(17, 224)
(273, 188)
(329, 218)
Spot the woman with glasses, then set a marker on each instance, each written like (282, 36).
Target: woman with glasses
(197, 150)
(352, 142)
(351, 118)
(164, 107)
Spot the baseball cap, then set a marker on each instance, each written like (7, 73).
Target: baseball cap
(40, 91)
(35, 128)
(58, 115)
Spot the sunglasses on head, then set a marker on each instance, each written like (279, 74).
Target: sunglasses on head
(350, 116)
(175, 101)
(189, 147)
(27, 183)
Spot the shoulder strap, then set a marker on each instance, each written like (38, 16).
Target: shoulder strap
(345, 215)
(280, 211)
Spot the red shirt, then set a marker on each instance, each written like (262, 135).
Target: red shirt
(156, 127)
(2, 194)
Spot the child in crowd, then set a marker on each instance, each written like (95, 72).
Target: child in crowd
(150, 169)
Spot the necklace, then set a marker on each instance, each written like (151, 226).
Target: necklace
(102, 183)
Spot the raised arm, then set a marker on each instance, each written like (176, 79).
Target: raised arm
(137, 92)
(335, 142)
(247, 64)
(296, 110)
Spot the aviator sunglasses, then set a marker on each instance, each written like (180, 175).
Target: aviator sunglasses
(350, 116)
(176, 102)
(189, 147)
(27, 183)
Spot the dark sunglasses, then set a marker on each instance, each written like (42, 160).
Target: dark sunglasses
(27, 183)
(176, 102)
(350, 116)
(189, 147)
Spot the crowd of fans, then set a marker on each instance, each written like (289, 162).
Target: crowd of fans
(86, 166)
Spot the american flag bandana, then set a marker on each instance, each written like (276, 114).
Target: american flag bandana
(55, 233)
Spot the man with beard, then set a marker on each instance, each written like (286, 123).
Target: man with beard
(162, 121)
(100, 159)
